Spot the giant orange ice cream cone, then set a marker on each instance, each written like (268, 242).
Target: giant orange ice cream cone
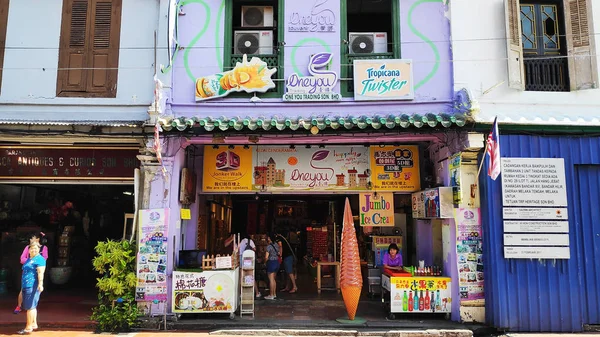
(350, 275)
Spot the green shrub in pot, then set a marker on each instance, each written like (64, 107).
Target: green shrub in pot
(116, 263)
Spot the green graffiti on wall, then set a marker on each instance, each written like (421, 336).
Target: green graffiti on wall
(425, 39)
(186, 53)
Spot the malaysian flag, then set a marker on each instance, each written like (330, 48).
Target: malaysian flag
(493, 150)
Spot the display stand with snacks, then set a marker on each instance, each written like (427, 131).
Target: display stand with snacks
(214, 289)
(420, 290)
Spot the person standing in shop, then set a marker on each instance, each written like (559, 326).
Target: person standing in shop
(32, 285)
(248, 244)
(289, 261)
(272, 256)
(40, 239)
(393, 259)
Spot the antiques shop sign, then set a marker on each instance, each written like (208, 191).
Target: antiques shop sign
(68, 163)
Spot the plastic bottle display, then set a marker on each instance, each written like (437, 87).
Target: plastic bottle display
(427, 300)
(410, 301)
(416, 301)
(421, 302)
(433, 301)
(405, 302)
(438, 301)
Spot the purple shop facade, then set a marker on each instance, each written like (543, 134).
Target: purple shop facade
(312, 59)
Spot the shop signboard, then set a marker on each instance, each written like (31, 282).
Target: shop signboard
(318, 18)
(534, 182)
(152, 255)
(395, 168)
(376, 80)
(227, 170)
(317, 86)
(247, 76)
(376, 209)
(469, 249)
(419, 294)
(68, 163)
(281, 168)
(205, 292)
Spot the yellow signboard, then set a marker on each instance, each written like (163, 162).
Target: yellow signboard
(421, 283)
(395, 168)
(227, 169)
(376, 209)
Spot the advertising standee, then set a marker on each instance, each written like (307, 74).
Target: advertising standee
(152, 255)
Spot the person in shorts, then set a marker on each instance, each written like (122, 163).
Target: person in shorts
(272, 257)
(289, 260)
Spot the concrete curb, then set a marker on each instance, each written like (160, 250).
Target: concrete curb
(344, 333)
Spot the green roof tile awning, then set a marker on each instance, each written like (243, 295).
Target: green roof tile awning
(301, 123)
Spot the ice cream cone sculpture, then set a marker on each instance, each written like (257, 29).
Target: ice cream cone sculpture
(350, 275)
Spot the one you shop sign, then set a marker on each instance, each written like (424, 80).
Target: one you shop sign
(376, 80)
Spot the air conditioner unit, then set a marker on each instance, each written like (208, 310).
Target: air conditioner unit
(368, 43)
(257, 16)
(252, 42)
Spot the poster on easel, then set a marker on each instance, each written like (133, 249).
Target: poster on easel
(152, 255)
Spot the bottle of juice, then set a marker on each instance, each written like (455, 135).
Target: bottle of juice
(421, 302)
(416, 301)
(404, 302)
(410, 301)
(427, 300)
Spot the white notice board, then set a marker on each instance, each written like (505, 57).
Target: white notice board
(534, 182)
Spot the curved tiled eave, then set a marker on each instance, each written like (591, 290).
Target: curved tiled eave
(302, 123)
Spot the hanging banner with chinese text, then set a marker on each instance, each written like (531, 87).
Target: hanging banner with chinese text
(395, 168)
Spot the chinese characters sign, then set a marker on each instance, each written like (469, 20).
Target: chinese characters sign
(227, 169)
(68, 163)
(376, 80)
(152, 255)
(209, 291)
(395, 168)
(420, 294)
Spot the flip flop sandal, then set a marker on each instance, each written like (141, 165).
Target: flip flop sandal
(24, 332)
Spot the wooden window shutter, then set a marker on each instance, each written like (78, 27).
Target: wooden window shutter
(72, 64)
(514, 44)
(582, 62)
(3, 25)
(103, 57)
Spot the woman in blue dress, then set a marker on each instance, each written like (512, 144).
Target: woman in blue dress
(32, 285)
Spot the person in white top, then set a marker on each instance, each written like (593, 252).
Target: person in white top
(247, 243)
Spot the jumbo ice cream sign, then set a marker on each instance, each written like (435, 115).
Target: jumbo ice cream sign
(253, 76)
(318, 86)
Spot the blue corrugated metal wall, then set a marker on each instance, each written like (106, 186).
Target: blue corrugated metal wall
(546, 295)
